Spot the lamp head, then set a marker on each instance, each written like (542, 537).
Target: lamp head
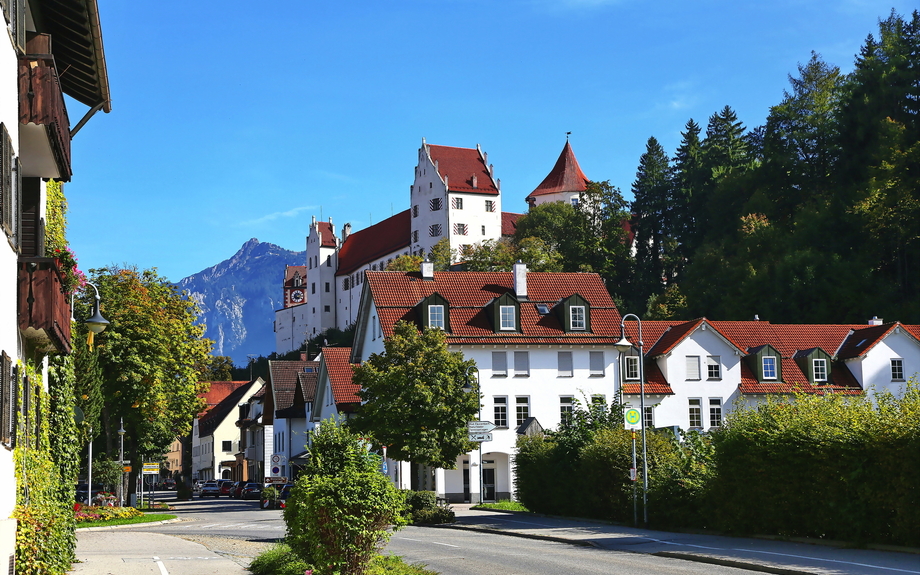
(623, 345)
(96, 323)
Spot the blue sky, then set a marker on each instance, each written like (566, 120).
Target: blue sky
(234, 120)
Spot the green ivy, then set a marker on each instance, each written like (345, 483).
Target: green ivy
(47, 461)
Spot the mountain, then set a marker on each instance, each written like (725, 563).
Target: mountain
(238, 298)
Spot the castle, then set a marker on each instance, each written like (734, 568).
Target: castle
(455, 195)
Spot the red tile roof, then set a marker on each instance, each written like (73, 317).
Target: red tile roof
(374, 242)
(863, 339)
(566, 176)
(509, 223)
(217, 391)
(209, 422)
(395, 295)
(327, 234)
(459, 165)
(344, 392)
(655, 383)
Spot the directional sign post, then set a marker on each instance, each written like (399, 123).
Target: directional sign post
(480, 437)
(480, 426)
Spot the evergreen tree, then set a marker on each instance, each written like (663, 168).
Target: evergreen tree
(689, 180)
(650, 216)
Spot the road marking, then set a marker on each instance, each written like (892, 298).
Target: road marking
(818, 559)
(162, 567)
(429, 542)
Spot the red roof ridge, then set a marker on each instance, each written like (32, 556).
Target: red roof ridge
(459, 166)
(373, 242)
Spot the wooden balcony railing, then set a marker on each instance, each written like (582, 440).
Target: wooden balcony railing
(41, 100)
(44, 308)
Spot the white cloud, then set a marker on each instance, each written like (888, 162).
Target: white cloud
(292, 213)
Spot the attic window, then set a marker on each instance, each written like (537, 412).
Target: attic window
(507, 317)
(861, 343)
(308, 370)
(820, 369)
(769, 367)
(542, 308)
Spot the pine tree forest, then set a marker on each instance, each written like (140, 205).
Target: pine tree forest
(812, 217)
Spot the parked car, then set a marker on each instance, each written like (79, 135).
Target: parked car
(209, 489)
(225, 486)
(169, 484)
(236, 490)
(83, 495)
(251, 491)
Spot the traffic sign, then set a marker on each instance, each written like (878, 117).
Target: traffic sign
(279, 459)
(479, 437)
(270, 480)
(480, 426)
(151, 469)
(126, 469)
(276, 471)
(633, 417)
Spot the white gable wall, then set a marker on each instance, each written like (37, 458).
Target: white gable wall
(875, 365)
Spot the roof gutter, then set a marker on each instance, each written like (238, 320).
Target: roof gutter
(92, 8)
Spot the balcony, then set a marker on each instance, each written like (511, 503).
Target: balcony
(44, 124)
(43, 307)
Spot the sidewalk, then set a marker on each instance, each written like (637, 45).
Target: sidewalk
(764, 555)
(115, 551)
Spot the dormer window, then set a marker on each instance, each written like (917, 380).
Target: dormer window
(820, 369)
(769, 367)
(506, 317)
(505, 314)
(436, 316)
(434, 313)
(575, 314)
(632, 368)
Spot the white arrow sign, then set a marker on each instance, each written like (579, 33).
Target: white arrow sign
(480, 426)
(479, 437)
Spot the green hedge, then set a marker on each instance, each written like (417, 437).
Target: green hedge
(837, 467)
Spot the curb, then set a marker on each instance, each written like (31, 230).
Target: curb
(670, 554)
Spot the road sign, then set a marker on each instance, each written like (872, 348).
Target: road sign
(479, 437)
(126, 469)
(633, 417)
(271, 480)
(276, 471)
(480, 426)
(279, 459)
(151, 469)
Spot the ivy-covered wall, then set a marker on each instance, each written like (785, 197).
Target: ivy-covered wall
(47, 462)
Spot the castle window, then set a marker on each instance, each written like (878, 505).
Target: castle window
(434, 204)
(461, 229)
(414, 236)
(490, 206)
(415, 211)
(434, 230)
(457, 203)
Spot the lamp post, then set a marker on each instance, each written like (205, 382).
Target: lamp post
(624, 345)
(121, 460)
(467, 388)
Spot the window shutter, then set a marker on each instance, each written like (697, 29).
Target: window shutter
(597, 363)
(521, 363)
(6, 180)
(565, 364)
(8, 400)
(499, 363)
(693, 367)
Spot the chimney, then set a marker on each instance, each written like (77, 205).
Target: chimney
(303, 357)
(346, 231)
(475, 182)
(427, 270)
(876, 320)
(519, 271)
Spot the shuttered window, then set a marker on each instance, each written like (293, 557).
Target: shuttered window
(597, 363)
(565, 364)
(499, 363)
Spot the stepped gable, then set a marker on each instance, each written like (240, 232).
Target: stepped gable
(459, 165)
(216, 393)
(566, 176)
(327, 233)
(374, 242)
(338, 367)
(396, 295)
(290, 271)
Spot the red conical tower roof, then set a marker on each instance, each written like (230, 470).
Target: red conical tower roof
(566, 176)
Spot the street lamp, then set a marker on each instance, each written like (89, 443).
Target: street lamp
(467, 388)
(624, 346)
(121, 460)
(96, 323)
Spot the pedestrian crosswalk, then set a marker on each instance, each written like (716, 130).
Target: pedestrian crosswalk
(225, 526)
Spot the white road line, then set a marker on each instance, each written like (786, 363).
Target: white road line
(429, 542)
(162, 567)
(818, 559)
